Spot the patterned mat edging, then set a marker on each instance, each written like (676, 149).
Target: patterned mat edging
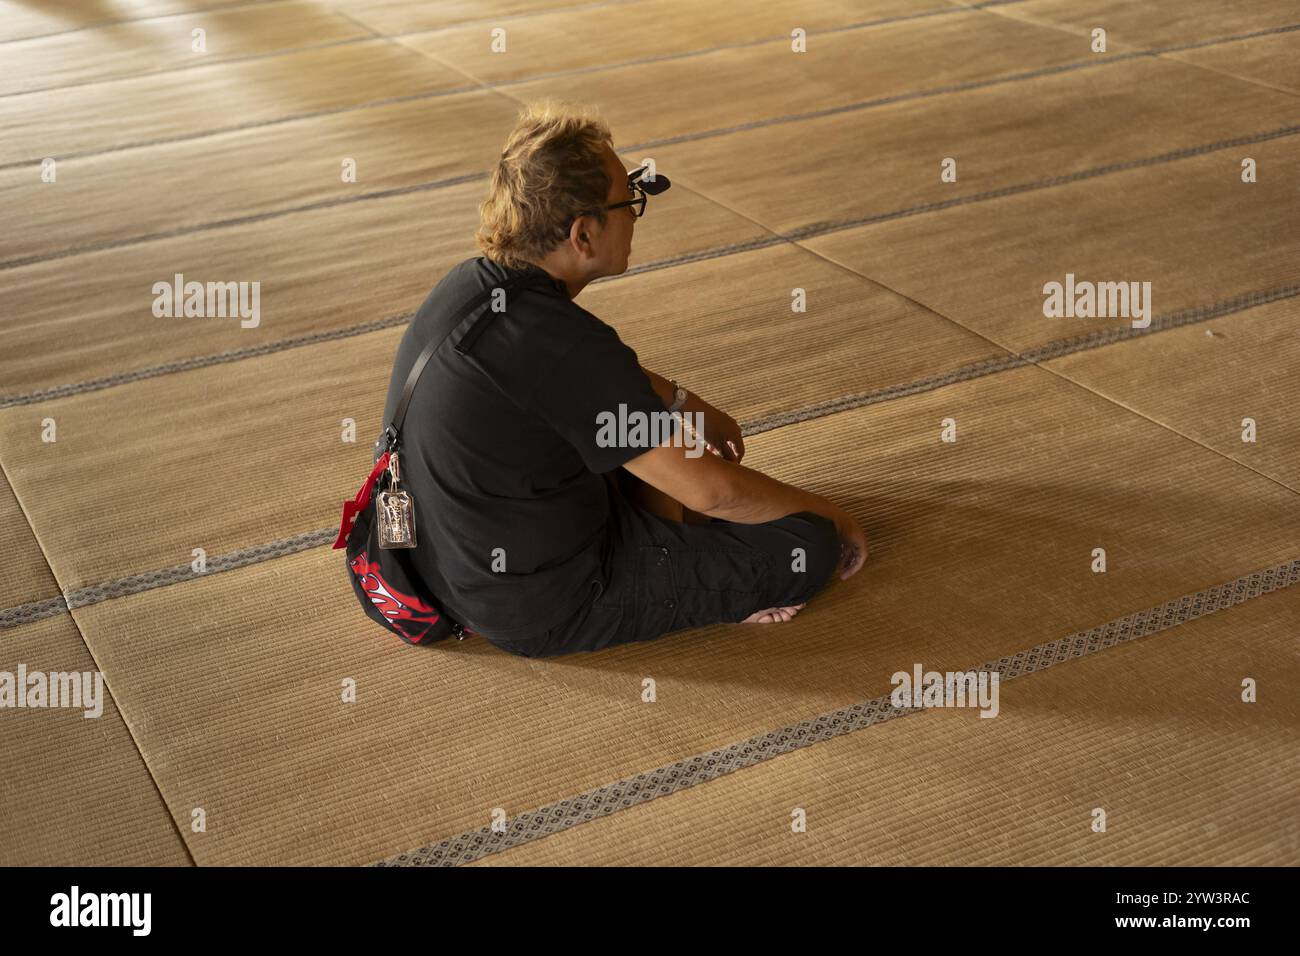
(203, 361)
(803, 232)
(632, 791)
(717, 252)
(1051, 350)
(966, 87)
(163, 577)
(740, 45)
(1016, 189)
(271, 214)
(26, 613)
(251, 218)
(478, 87)
(186, 67)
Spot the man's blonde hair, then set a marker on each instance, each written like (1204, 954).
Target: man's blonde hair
(551, 171)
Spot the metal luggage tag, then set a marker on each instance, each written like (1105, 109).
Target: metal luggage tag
(396, 512)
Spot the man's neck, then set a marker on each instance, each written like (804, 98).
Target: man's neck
(562, 268)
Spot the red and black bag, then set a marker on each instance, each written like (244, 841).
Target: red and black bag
(378, 526)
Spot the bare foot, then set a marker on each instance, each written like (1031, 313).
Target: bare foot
(774, 615)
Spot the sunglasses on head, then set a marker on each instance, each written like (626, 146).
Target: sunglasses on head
(643, 188)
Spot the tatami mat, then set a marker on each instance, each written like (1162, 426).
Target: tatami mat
(401, 16)
(709, 323)
(996, 530)
(727, 327)
(106, 116)
(21, 19)
(323, 270)
(997, 137)
(985, 265)
(1154, 23)
(158, 45)
(1271, 60)
(174, 435)
(1204, 380)
(1154, 733)
(116, 197)
(26, 577)
(113, 198)
(589, 43)
(659, 100)
(74, 789)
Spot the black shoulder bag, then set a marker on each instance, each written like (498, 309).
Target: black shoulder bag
(378, 526)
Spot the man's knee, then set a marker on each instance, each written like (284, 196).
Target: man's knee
(816, 553)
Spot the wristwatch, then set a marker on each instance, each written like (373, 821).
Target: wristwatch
(679, 396)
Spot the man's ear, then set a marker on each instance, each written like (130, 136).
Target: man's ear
(578, 231)
(581, 231)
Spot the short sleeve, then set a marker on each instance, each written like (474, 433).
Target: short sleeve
(597, 397)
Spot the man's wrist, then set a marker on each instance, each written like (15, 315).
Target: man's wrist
(680, 395)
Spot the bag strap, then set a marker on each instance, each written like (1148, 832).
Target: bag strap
(393, 429)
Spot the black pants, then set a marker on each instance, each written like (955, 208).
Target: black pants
(660, 576)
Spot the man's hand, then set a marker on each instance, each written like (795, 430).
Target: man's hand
(722, 435)
(853, 543)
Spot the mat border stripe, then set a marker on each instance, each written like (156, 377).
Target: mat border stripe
(633, 148)
(718, 252)
(177, 574)
(792, 117)
(632, 791)
(471, 88)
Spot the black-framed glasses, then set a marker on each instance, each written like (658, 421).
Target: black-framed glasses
(639, 203)
(643, 188)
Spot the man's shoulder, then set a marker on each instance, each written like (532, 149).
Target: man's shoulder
(463, 280)
(478, 275)
(536, 329)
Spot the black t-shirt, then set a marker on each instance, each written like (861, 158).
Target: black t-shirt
(500, 448)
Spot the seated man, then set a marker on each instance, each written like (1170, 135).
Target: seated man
(534, 532)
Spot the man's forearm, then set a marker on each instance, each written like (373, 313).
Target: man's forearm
(753, 498)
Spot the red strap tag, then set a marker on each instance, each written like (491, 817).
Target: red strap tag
(358, 504)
